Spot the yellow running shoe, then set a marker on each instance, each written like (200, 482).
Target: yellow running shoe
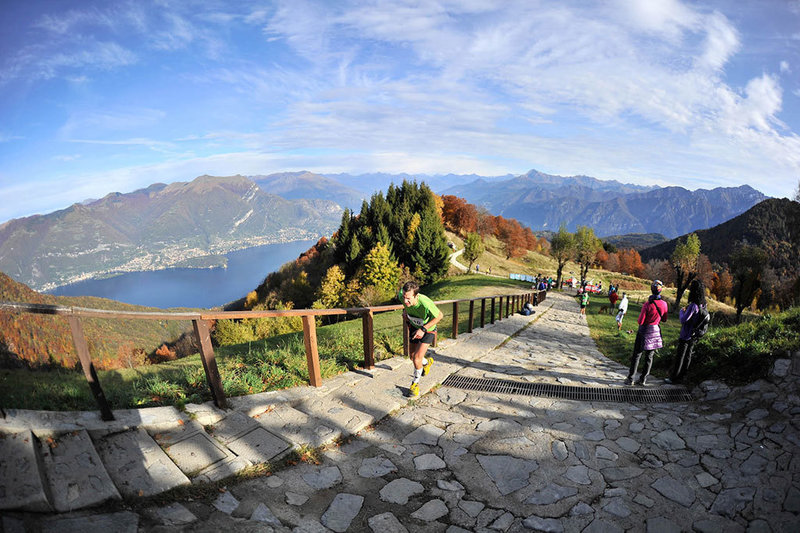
(427, 368)
(413, 390)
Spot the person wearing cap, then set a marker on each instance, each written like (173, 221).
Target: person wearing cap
(648, 337)
(421, 315)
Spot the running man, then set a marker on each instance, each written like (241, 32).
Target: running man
(584, 301)
(421, 315)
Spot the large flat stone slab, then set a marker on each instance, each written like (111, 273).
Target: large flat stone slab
(196, 453)
(21, 483)
(259, 446)
(232, 427)
(75, 473)
(333, 413)
(295, 426)
(44, 423)
(138, 466)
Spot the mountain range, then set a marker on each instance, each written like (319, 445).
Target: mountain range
(192, 224)
(180, 224)
(544, 202)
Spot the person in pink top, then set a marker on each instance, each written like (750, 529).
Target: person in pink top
(648, 338)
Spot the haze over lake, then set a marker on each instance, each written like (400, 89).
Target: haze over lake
(192, 287)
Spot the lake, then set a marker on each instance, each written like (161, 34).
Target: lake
(192, 287)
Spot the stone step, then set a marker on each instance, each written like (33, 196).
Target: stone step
(197, 455)
(22, 485)
(299, 428)
(137, 464)
(248, 439)
(74, 472)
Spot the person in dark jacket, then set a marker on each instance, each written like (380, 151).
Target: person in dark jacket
(648, 338)
(688, 315)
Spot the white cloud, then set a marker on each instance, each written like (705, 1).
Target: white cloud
(73, 21)
(178, 34)
(665, 18)
(722, 41)
(100, 55)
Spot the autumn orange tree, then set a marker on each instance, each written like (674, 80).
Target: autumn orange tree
(511, 234)
(459, 216)
(721, 284)
(486, 223)
(630, 262)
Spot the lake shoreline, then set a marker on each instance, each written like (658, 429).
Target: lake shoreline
(190, 286)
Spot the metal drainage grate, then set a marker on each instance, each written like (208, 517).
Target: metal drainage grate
(587, 394)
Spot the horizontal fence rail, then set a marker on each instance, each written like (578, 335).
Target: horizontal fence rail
(202, 321)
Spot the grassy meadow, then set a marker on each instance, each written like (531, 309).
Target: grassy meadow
(736, 354)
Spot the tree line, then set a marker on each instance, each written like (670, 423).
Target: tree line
(745, 279)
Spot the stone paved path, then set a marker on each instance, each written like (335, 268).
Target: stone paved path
(457, 461)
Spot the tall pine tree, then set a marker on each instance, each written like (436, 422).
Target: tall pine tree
(406, 221)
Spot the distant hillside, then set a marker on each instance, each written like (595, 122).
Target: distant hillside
(162, 226)
(543, 202)
(45, 339)
(637, 241)
(773, 225)
(307, 185)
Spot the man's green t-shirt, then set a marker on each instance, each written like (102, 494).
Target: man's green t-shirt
(423, 312)
(585, 298)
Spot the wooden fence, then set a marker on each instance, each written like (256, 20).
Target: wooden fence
(202, 328)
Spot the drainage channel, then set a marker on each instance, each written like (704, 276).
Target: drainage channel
(586, 394)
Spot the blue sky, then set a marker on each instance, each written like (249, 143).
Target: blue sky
(103, 96)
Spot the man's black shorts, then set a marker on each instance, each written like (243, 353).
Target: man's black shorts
(427, 338)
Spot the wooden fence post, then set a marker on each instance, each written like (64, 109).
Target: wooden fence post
(368, 328)
(455, 321)
(471, 315)
(79, 340)
(491, 320)
(312, 353)
(483, 312)
(201, 330)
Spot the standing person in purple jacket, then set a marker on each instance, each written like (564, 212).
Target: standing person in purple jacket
(648, 338)
(688, 316)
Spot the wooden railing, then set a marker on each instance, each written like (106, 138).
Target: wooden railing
(201, 322)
